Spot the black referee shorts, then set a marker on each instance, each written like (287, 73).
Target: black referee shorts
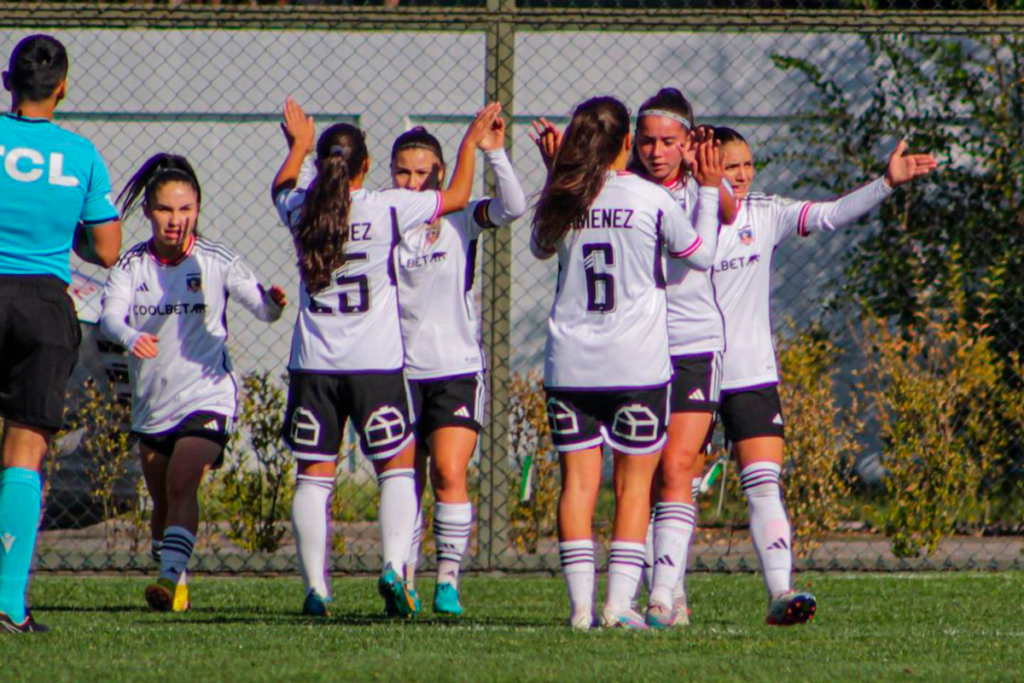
(39, 340)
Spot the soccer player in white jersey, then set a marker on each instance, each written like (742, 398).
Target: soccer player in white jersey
(347, 356)
(443, 359)
(607, 368)
(751, 411)
(165, 302)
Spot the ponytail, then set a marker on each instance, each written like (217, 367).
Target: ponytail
(157, 171)
(322, 229)
(591, 143)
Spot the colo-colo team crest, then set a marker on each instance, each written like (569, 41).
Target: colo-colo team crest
(194, 282)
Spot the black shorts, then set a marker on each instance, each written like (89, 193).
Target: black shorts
(39, 340)
(749, 413)
(632, 421)
(202, 424)
(696, 383)
(319, 405)
(448, 402)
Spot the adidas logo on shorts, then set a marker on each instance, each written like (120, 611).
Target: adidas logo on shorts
(212, 424)
(697, 395)
(777, 420)
(462, 412)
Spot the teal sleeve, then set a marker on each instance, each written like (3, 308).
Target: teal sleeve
(99, 202)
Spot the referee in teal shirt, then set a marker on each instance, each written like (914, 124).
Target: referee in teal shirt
(55, 196)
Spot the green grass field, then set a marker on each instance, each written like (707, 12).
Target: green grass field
(878, 627)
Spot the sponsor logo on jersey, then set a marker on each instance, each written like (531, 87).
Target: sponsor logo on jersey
(426, 259)
(739, 262)
(167, 309)
(194, 282)
(462, 412)
(697, 395)
(384, 427)
(26, 165)
(8, 541)
(142, 288)
(746, 234)
(562, 418)
(777, 420)
(635, 422)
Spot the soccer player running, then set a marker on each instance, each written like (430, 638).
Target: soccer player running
(54, 197)
(443, 359)
(347, 357)
(751, 411)
(607, 366)
(165, 302)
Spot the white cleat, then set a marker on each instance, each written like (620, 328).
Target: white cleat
(581, 621)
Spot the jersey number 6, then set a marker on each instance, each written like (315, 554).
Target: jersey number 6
(600, 285)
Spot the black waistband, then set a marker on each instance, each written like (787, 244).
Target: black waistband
(39, 281)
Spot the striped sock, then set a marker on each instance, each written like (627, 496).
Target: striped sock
(397, 515)
(176, 552)
(453, 523)
(673, 527)
(578, 568)
(695, 488)
(648, 557)
(414, 550)
(769, 527)
(309, 524)
(625, 565)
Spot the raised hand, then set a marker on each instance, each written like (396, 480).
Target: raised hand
(688, 150)
(278, 296)
(145, 346)
(495, 136)
(905, 167)
(548, 139)
(299, 129)
(709, 168)
(480, 128)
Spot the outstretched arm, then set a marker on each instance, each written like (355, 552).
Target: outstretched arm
(456, 197)
(300, 133)
(510, 203)
(243, 286)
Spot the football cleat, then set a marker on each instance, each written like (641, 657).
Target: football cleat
(398, 602)
(581, 621)
(627, 619)
(29, 625)
(315, 606)
(681, 612)
(659, 616)
(790, 609)
(446, 600)
(164, 596)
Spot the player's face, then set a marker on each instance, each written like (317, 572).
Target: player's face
(657, 144)
(739, 166)
(417, 169)
(173, 214)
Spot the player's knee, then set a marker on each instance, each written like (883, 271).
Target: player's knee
(182, 489)
(678, 469)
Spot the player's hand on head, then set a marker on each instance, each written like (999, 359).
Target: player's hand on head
(481, 124)
(905, 167)
(145, 346)
(548, 139)
(298, 128)
(278, 296)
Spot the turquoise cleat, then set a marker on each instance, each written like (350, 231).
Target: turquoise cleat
(446, 600)
(315, 606)
(398, 601)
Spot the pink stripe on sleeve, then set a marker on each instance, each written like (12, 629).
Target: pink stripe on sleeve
(801, 223)
(689, 250)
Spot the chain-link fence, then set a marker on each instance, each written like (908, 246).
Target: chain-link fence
(898, 337)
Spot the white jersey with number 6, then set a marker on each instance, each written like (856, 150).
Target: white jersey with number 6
(352, 325)
(607, 328)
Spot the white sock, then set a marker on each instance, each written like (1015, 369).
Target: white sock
(769, 526)
(453, 523)
(673, 527)
(648, 558)
(414, 550)
(578, 569)
(679, 592)
(625, 565)
(397, 515)
(309, 524)
(176, 552)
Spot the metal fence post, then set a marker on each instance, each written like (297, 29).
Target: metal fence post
(495, 468)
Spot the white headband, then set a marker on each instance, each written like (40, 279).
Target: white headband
(670, 114)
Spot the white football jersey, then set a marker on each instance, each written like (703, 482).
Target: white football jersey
(436, 267)
(352, 326)
(742, 271)
(608, 327)
(695, 322)
(183, 304)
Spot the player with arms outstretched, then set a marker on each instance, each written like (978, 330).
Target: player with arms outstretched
(751, 411)
(443, 359)
(165, 302)
(347, 357)
(607, 368)
(54, 197)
